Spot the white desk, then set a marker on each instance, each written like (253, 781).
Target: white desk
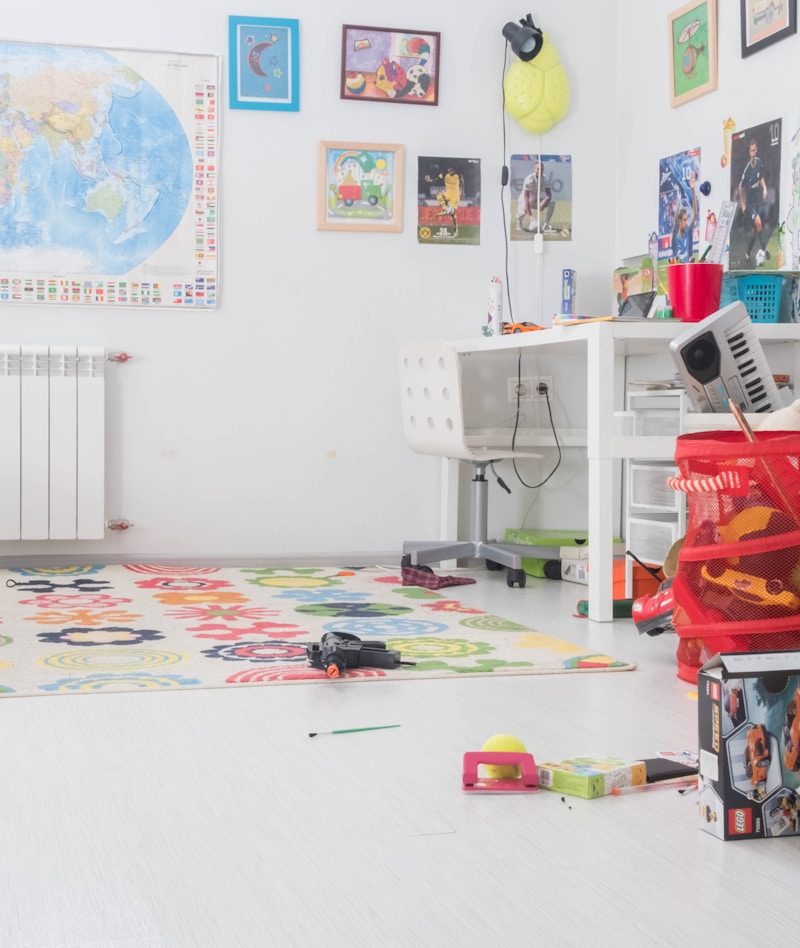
(605, 346)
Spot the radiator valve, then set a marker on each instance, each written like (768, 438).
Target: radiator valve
(119, 524)
(119, 356)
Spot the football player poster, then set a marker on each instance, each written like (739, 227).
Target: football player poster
(755, 187)
(678, 219)
(448, 200)
(540, 188)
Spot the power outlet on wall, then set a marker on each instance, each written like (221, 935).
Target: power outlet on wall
(528, 388)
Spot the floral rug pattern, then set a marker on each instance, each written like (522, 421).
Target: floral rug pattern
(149, 627)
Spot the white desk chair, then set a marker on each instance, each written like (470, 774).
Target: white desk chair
(433, 422)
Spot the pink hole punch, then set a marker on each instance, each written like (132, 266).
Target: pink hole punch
(526, 782)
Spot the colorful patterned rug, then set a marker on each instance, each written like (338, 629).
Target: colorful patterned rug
(141, 627)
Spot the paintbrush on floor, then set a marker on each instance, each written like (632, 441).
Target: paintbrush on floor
(353, 730)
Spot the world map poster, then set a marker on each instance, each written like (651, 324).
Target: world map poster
(108, 176)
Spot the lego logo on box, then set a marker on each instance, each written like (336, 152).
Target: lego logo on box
(714, 690)
(740, 821)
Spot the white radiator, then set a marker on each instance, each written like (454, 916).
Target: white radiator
(52, 428)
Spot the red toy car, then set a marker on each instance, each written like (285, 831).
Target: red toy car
(756, 756)
(653, 614)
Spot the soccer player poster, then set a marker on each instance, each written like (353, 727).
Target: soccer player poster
(448, 200)
(678, 224)
(755, 187)
(540, 189)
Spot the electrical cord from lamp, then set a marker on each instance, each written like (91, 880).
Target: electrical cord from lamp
(503, 182)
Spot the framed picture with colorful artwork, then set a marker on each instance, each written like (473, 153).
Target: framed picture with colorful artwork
(764, 22)
(692, 50)
(264, 63)
(360, 186)
(389, 65)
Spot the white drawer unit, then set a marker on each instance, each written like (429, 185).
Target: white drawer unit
(654, 515)
(650, 540)
(648, 491)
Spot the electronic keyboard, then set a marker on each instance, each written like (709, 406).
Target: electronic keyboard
(721, 359)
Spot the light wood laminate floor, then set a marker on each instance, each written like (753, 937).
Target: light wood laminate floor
(210, 818)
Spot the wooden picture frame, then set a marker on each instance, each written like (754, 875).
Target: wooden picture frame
(692, 40)
(390, 65)
(264, 63)
(360, 186)
(764, 22)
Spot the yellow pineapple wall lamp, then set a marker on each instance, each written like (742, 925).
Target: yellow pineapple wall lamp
(536, 88)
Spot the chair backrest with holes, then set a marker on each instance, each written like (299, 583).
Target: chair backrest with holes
(433, 413)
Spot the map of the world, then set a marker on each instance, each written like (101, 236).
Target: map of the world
(97, 173)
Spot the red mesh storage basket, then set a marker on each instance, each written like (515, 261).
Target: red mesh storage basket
(737, 587)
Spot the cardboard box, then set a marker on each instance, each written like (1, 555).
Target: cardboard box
(750, 745)
(591, 777)
(576, 570)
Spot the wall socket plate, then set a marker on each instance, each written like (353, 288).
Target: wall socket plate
(528, 386)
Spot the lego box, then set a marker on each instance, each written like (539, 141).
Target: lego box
(750, 745)
(591, 777)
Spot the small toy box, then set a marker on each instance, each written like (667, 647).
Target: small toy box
(750, 745)
(591, 777)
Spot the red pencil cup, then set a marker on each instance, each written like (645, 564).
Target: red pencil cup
(694, 289)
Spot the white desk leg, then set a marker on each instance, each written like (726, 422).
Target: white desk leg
(448, 506)
(599, 435)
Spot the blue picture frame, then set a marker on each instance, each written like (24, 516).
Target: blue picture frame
(264, 63)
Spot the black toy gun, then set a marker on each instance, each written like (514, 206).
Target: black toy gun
(338, 651)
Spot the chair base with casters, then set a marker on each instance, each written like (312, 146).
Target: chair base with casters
(497, 555)
(431, 376)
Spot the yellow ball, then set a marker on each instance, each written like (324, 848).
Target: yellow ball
(503, 743)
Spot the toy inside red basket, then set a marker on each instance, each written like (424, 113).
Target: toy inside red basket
(737, 587)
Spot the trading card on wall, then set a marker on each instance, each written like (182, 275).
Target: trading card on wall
(755, 187)
(448, 200)
(540, 189)
(678, 218)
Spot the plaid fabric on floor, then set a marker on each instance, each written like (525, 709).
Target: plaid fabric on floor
(148, 627)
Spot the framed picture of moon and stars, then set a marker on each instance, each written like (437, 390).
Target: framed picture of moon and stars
(264, 63)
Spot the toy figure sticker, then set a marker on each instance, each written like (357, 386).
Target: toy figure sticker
(755, 187)
(384, 65)
(678, 222)
(448, 200)
(540, 188)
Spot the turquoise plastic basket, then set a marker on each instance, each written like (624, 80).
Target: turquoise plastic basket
(761, 295)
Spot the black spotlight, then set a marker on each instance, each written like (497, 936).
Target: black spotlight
(526, 39)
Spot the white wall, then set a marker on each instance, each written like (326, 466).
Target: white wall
(271, 426)
(762, 87)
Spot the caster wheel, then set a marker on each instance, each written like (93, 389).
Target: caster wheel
(493, 567)
(406, 561)
(516, 577)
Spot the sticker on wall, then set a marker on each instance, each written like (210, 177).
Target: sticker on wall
(678, 223)
(755, 187)
(728, 128)
(109, 165)
(448, 200)
(540, 188)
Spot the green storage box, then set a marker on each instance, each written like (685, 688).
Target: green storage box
(534, 566)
